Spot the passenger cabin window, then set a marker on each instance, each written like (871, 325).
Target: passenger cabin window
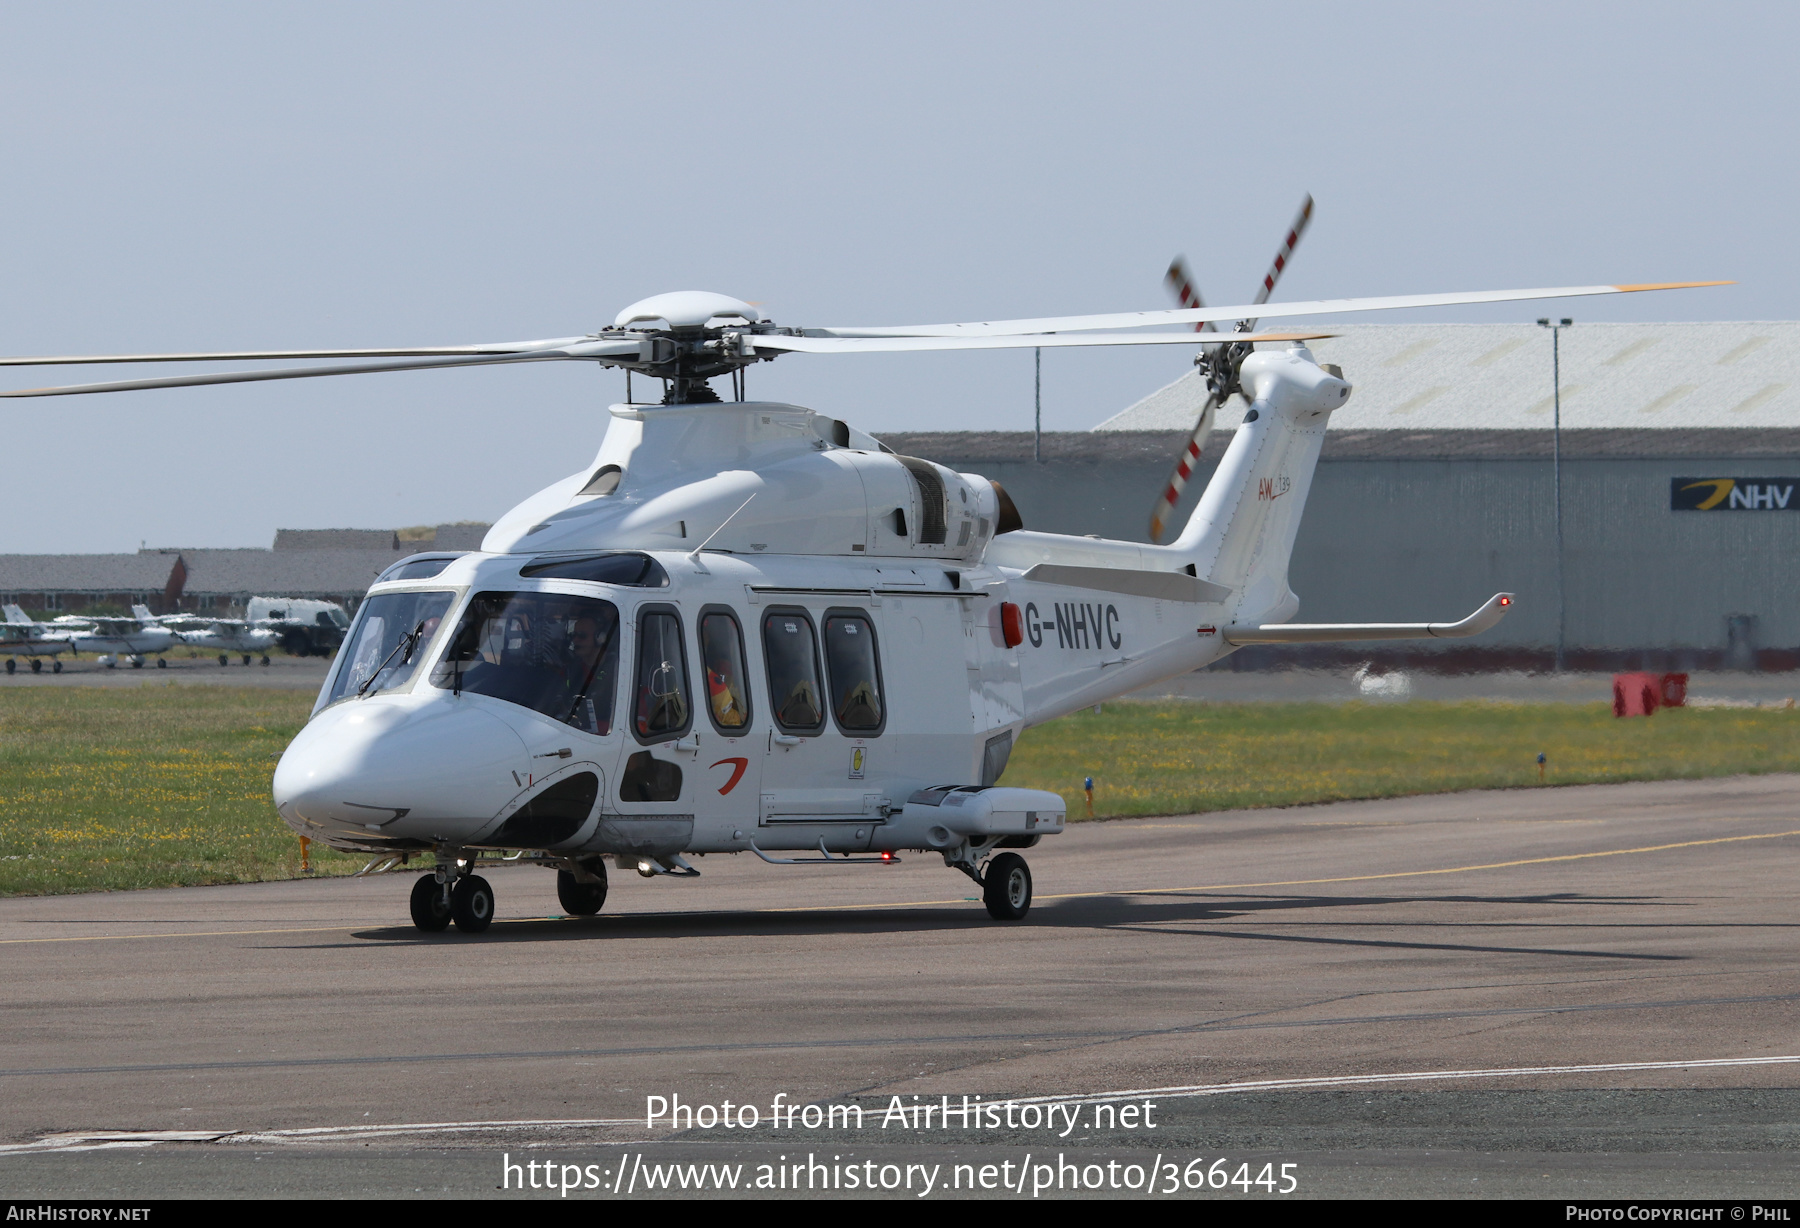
(722, 654)
(662, 686)
(855, 673)
(793, 671)
(549, 652)
(392, 633)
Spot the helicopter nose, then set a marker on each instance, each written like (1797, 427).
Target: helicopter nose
(381, 766)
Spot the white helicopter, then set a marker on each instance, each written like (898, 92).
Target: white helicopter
(750, 627)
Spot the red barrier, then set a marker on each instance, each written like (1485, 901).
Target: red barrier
(1643, 694)
(1635, 694)
(1674, 691)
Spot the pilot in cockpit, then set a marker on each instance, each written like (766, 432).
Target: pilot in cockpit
(585, 679)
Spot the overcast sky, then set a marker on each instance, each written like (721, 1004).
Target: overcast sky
(191, 176)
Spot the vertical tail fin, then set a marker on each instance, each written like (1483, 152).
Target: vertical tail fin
(142, 613)
(1242, 533)
(16, 616)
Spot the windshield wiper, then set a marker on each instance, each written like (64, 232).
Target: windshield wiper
(409, 641)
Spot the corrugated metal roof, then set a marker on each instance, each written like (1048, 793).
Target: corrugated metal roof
(337, 539)
(972, 449)
(84, 573)
(282, 573)
(1498, 377)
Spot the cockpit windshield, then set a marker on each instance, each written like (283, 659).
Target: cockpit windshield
(549, 652)
(392, 633)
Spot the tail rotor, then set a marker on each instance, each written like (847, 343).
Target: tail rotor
(1219, 363)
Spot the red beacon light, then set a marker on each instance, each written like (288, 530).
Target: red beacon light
(1012, 624)
(1506, 601)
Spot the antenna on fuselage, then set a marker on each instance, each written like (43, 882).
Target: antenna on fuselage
(694, 554)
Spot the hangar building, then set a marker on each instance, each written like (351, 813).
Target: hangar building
(1436, 490)
(323, 564)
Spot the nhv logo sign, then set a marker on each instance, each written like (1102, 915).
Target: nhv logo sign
(1733, 494)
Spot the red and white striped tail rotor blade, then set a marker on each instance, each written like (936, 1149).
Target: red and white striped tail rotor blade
(1184, 469)
(1181, 284)
(1285, 252)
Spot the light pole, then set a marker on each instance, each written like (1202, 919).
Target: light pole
(1037, 422)
(1562, 605)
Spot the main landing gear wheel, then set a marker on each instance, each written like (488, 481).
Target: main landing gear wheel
(247, 660)
(581, 899)
(1006, 887)
(162, 663)
(472, 904)
(37, 667)
(430, 911)
(56, 667)
(224, 660)
(12, 666)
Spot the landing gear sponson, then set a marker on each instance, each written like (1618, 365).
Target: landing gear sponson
(451, 892)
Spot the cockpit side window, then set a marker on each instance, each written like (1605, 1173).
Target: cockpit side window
(727, 684)
(549, 652)
(855, 671)
(662, 708)
(793, 660)
(393, 631)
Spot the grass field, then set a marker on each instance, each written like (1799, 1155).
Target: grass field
(157, 786)
(104, 789)
(1182, 758)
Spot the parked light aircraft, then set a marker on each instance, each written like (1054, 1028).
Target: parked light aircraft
(110, 638)
(23, 636)
(227, 635)
(748, 627)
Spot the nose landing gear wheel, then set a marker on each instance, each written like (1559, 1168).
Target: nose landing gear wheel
(247, 660)
(581, 899)
(472, 904)
(1006, 887)
(37, 667)
(162, 663)
(224, 660)
(56, 667)
(430, 911)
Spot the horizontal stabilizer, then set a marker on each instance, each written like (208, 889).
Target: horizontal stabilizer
(1491, 612)
(1163, 585)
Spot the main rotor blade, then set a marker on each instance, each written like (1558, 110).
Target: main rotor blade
(503, 347)
(585, 350)
(1147, 319)
(882, 345)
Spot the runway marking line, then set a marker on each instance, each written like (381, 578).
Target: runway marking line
(1312, 882)
(102, 1140)
(1263, 1085)
(1070, 895)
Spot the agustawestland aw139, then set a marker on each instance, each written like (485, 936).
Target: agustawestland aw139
(749, 627)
